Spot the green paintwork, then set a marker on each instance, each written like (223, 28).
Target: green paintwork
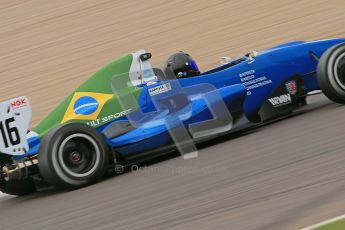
(100, 82)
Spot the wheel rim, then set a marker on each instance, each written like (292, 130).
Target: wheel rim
(79, 155)
(339, 71)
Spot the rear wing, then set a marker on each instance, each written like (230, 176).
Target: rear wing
(15, 116)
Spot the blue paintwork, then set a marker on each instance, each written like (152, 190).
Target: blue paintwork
(274, 66)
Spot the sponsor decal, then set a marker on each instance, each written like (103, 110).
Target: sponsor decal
(18, 103)
(251, 81)
(160, 89)
(280, 100)
(151, 83)
(85, 106)
(103, 120)
(250, 73)
(291, 87)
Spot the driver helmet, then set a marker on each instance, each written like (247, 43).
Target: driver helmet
(182, 65)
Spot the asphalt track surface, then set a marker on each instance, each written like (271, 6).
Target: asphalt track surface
(286, 175)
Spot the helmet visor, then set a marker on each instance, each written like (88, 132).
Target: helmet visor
(193, 65)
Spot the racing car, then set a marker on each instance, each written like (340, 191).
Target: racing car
(129, 111)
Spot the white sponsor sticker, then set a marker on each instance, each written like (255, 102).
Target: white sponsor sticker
(280, 100)
(251, 81)
(15, 116)
(160, 89)
(103, 120)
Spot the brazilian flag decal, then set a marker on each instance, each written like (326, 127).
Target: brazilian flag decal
(85, 106)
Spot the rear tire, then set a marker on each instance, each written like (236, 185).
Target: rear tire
(18, 187)
(72, 156)
(331, 73)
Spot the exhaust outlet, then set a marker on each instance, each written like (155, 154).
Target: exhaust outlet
(19, 171)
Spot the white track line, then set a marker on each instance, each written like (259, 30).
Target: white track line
(324, 222)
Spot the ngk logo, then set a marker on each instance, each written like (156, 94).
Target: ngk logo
(18, 103)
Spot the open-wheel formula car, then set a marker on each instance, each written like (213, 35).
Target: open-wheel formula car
(129, 111)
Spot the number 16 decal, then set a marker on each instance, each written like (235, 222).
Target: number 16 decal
(15, 116)
(9, 134)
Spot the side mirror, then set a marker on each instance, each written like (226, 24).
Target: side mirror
(225, 60)
(253, 54)
(145, 56)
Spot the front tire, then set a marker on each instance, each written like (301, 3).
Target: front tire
(331, 73)
(72, 156)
